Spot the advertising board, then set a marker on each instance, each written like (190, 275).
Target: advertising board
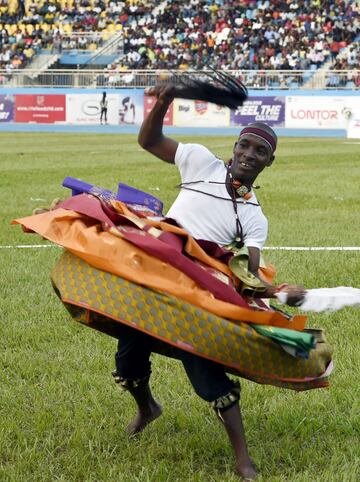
(268, 109)
(131, 106)
(196, 113)
(149, 102)
(42, 109)
(320, 112)
(353, 128)
(85, 108)
(7, 104)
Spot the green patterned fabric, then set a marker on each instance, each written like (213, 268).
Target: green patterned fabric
(102, 300)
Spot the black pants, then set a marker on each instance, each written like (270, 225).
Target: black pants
(103, 113)
(133, 362)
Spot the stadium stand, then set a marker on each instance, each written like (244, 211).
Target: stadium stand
(245, 35)
(249, 34)
(29, 27)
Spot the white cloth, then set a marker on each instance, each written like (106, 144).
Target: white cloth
(326, 299)
(206, 217)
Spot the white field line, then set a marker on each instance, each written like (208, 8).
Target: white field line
(312, 248)
(269, 248)
(29, 246)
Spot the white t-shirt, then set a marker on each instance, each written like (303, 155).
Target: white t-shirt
(207, 217)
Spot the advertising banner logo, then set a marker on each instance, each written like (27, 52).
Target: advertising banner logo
(270, 110)
(7, 103)
(42, 109)
(201, 106)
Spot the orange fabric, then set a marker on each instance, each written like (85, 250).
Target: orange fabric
(267, 273)
(108, 251)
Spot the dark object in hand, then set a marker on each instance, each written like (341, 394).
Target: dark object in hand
(220, 88)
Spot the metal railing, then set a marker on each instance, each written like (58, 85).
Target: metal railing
(114, 46)
(253, 79)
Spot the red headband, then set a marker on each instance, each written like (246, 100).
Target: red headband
(261, 133)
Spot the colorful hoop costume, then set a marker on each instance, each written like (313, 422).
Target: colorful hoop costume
(122, 266)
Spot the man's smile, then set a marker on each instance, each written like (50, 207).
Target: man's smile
(246, 165)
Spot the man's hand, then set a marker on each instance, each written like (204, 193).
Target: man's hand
(295, 294)
(164, 93)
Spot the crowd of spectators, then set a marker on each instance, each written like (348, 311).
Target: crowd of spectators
(249, 34)
(224, 34)
(30, 26)
(346, 68)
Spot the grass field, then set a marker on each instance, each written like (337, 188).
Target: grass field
(62, 417)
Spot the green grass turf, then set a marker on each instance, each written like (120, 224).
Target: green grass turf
(62, 417)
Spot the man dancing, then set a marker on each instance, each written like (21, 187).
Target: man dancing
(217, 204)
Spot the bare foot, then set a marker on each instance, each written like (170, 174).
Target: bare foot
(143, 418)
(247, 471)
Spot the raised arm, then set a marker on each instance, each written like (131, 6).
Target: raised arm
(151, 136)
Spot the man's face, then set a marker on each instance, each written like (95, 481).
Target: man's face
(251, 155)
